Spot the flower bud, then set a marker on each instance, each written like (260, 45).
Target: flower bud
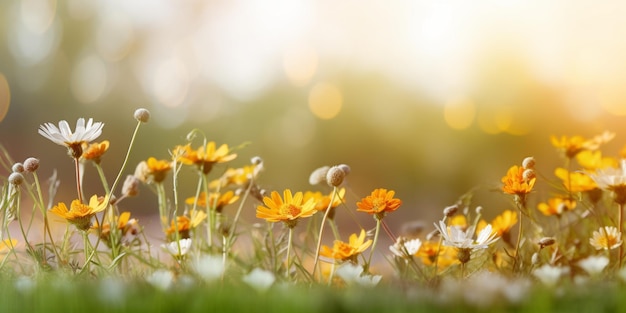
(334, 176)
(529, 163)
(449, 211)
(142, 115)
(131, 186)
(31, 164)
(17, 168)
(528, 174)
(16, 179)
(546, 241)
(345, 168)
(318, 175)
(256, 160)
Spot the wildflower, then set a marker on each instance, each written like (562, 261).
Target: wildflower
(501, 225)
(556, 206)
(16, 179)
(152, 170)
(594, 264)
(344, 251)
(323, 201)
(550, 275)
(379, 202)
(403, 248)
(31, 164)
(528, 162)
(614, 180)
(63, 135)
(215, 200)
(606, 238)
(95, 151)
(455, 237)
(352, 274)
(259, 279)
(515, 183)
(571, 146)
(236, 176)
(575, 181)
(185, 224)
(142, 115)
(125, 225)
(459, 221)
(178, 248)
(17, 168)
(593, 160)
(80, 214)
(287, 209)
(432, 253)
(204, 157)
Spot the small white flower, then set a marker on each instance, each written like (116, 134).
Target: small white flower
(352, 275)
(259, 279)
(161, 279)
(594, 265)
(411, 247)
(455, 237)
(64, 136)
(210, 267)
(172, 247)
(550, 275)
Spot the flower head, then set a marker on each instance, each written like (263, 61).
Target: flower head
(556, 206)
(606, 238)
(614, 180)
(287, 209)
(215, 200)
(236, 176)
(95, 151)
(455, 237)
(184, 224)
(571, 146)
(152, 170)
(343, 251)
(379, 202)
(516, 183)
(178, 248)
(575, 181)
(404, 248)
(63, 135)
(80, 214)
(125, 226)
(205, 156)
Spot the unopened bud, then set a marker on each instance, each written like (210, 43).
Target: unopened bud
(142, 115)
(17, 168)
(529, 163)
(256, 160)
(335, 176)
(528, 174)
(318, 175)
(449, 211)
(479, 210)
(131, 186)
(31, 164)
(16, 179)
(535, 258)
(345, 168)
(545, 242)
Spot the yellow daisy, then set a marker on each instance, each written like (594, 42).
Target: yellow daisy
(80, 214)
(287, 209)
(343, 251)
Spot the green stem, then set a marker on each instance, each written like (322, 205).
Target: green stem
(289, 242)
(369, 260)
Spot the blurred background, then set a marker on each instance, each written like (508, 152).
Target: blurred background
(428, 98)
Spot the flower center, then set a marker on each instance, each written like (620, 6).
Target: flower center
(290, 210)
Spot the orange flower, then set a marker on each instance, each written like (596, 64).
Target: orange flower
(80, 214)
(216, 200)
(428, 254)
(204, 157)
(343, 251)
(556, 206)
(515, 183)
(287, 209)
(501, 225)
(379, 202)
(95, 151)
(185, 224)
(235, 176)
(322, 201)
(593, 160)
(152, 170)
(125, 225)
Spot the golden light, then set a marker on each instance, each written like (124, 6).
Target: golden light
(300, 64)
(89, 79)
(5, 97)
(459, 113)
(325, 101)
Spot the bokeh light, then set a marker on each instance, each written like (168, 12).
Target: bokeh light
(5, 97)
(325, 100)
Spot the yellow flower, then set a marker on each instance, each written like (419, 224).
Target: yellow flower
(125, 225)
(216, 200)
(235, 176)
(152, 170)
(460, 221)
(431, 252)
(95, 151)
(501, 225)
(571, 146)
(204, 157)
(322, 201)
(593, 160)
(515, 183)
(379, 202)
(287, 209)
(80, 214)
(7, 244)
(556, 206)
(606, 238)
(575, 181)
(343, 251)
(185, 224)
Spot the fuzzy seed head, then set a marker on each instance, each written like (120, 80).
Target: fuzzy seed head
(345, 168)
(335, 176)
(31, 164)
(528, 174)
(318, 175)
(16, 179)
(17, 168)
(529, 163)
(545, 242)
(142, 115)
(449, 211)
(256, 160)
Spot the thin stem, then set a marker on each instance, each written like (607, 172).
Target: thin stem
(319, 239)
(130, 146)
(78, 180)
(519, 239)
(369, 260)
(289, 251)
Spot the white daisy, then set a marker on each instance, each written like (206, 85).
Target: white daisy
(64, 136)
(404, 247)
(454, 236)
(172, 247)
